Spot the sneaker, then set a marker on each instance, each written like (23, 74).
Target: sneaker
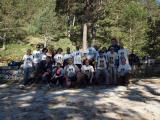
(21, 86)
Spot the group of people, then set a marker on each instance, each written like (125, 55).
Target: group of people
(100, 66)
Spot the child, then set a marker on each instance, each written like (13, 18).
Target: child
(58, 58)
(70, 72)
(123, 53)
(58, 75)
(101, 68)
(124, 71)
(77, 56)
(88, 71)
(37, 57)
(28, 67)
(112, 58)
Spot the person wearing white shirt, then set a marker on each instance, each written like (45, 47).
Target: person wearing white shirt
(101, 69)
(70, 71)
(77, 57)
(124, 71)
(123, 53)
(67, 56)
(112, 58)
(44, 51)
(88, 71)
(59, 58)
(27, 67)
(37, 57)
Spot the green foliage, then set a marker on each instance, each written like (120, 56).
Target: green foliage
(124, 19)
(11, 49)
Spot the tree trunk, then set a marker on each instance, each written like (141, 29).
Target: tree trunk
(130, 37)
(74, 19)
(4, 42)
(85, 36)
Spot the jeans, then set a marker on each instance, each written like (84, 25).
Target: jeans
(27, 75)
(112, 75)
(100, 73)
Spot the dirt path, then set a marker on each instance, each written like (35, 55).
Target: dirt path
(93, 103)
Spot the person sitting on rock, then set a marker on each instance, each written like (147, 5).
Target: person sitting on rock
(101, 69)
(58, 75)
(70, 73)
(124, 71)
(28, 67)
(88, 71)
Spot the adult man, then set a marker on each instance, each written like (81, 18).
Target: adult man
(114, 44)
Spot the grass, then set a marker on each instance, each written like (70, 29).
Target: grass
(16, 51)
(13, 52)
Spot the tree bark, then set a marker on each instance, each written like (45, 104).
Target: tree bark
(130, 35)
(85, 36)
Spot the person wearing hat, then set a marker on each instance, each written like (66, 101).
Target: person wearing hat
(112, 58)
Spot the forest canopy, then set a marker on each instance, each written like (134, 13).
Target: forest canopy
(136, 23)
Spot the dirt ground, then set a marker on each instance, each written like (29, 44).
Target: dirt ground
(38, 102)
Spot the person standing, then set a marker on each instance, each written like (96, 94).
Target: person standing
(67, 56)
(114, 44)
(112, 57)
(77, 57)
(27, 67)
(37, 57)
(101, 69)
(59, 58)
(123, 53)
